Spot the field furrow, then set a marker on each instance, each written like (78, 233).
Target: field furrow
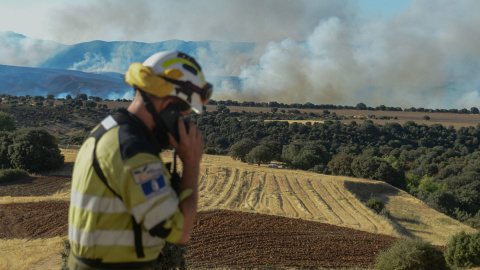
(324, 212)
(254, 193)
(228, 189)
(218, 184)
(341, 207)
(236, 196)
(298, 197)
(289, 205)
(333, 215)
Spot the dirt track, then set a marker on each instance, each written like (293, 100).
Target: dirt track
(220, 238)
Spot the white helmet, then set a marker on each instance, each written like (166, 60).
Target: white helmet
(191, 86)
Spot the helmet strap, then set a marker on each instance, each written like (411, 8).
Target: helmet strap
(160, 130)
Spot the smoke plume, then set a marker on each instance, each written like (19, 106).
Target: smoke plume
(427, 56)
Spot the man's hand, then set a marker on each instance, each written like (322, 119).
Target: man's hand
(190, 147)
(190, 151)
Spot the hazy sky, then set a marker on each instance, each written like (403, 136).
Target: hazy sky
(72, 22)
(412, 53)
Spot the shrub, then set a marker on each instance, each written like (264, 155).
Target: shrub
(9, 175)
(34, 150)
(6, 122)
(65, 253)
(376, 205)
(411, 254)
(463, 250)
(172, 257)
(210, 151)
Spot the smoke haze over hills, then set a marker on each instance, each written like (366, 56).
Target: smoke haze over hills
(323, 52)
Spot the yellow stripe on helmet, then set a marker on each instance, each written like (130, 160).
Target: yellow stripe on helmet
(170, 62)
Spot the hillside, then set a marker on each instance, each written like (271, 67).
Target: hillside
(271, 199)
(232, 185)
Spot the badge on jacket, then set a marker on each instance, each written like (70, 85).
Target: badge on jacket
(151, 178)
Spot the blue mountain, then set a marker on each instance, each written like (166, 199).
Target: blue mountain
(97, 67)
(23, 81)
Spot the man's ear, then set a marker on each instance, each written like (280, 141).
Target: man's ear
(165, 102)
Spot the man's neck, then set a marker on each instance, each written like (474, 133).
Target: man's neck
(137, 107)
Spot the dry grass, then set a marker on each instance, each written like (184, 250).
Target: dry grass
(63, 195)
(69, 154)
(41, 254)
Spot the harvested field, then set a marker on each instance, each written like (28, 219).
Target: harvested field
(282, 193)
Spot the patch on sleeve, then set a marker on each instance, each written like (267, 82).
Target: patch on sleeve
(151, 178)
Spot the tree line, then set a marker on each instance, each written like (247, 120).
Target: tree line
(359, 106)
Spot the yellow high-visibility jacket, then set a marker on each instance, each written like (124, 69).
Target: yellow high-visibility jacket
(102, 218)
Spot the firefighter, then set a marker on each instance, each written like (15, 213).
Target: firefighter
(125, 202)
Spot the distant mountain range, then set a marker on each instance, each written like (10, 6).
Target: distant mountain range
(95, 67)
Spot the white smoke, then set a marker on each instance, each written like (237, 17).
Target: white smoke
(118, 60)
(154, 21)
(427, 56)
(17, 50)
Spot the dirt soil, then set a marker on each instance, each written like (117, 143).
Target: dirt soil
(220, 238)
(35, 186)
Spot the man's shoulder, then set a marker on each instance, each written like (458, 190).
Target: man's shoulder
(132, 141)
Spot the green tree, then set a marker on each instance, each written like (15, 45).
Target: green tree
(90, 104)
(34, 150)
(5, 141)
(371, 167)
(241, 148)
(260, 154)
(341, 164)
(361, 106)
(82, 97)
(304, 156)
(6, 122)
